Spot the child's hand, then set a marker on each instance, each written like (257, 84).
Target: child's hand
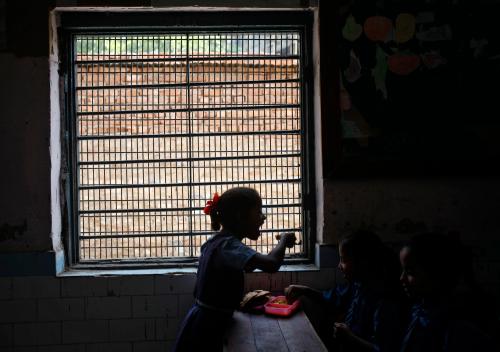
(342, 331)
(292, 292)
(288, 237)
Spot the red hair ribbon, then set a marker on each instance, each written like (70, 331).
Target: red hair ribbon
(211, 204)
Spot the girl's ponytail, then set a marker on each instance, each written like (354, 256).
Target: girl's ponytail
(211, 209)
(215, 219)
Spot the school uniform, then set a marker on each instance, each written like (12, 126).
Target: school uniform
(218, 292)
(431, 329)
(370, 315)
(427, 328)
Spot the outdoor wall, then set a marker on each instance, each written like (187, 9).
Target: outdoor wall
(151, 113)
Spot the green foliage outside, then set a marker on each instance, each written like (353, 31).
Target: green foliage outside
(279, 43)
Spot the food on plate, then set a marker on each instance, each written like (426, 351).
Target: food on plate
(254, 299)
(280, 301)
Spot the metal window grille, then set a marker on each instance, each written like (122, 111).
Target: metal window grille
(164, 120)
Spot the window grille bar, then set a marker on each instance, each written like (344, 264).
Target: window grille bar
(219, 108)
(148, 210)
(163, 234)
(291, 155)
(144, 185)
(164, 120)
(183, 85)
(175, 59)
(190, 141)
(173, 135)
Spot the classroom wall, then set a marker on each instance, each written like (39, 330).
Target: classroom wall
(123, 313)
(399, 208)
(141, 312)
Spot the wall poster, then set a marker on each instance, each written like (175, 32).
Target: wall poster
(418, 85)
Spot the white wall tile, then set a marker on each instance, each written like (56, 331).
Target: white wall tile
(62, 348)
(28, 287)
(110, 347)
(84, 286)
(317, 279)
(131, 285)
(257, 281)
(186, 301)
(131, 330)
(280, 280)
(19, 349)
(167, 329)
(151, 346)
(61, 309)
(5, 288)
(18, 311)
(174, 284)
(155, 306)
(85, 331)
(109, 307)
(6, 335)
(37, 334)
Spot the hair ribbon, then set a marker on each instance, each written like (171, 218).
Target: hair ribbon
(211, 204)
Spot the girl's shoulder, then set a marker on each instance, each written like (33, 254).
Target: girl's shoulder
(225, 243)
(215, 243)
(233, 243)
(234, 253)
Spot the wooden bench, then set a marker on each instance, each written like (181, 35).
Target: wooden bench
(262, 333)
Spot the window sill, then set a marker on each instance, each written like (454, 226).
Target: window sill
(126, 272)
(166, 271)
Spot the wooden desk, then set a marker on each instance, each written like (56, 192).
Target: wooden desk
(264, 333)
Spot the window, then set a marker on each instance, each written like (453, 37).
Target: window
(159, 119)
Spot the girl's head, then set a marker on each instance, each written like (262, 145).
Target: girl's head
(361, 255)
(239, 210)
(430, 265)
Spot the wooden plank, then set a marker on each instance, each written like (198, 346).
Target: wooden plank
(240, 336)
(262, 333)
(300, 335)
(268, 336)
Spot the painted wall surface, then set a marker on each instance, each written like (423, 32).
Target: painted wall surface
(399, 208)
(24, 139)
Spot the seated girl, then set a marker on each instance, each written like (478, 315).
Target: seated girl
(368, 313)
(431, 271)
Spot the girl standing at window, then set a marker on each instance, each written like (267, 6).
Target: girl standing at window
(236, 214)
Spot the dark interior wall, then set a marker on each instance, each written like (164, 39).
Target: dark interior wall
(400, 208)
(24, 129)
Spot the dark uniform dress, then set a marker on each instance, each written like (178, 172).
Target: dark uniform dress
(427, 329)
(432, 329)
(218, 292)
(374, 318)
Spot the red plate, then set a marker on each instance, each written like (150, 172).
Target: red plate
(284, 310)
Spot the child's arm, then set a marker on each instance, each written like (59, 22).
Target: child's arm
(342, 332)
(271, 262)
(293, 292)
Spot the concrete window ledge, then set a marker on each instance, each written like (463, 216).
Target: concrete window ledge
(165, 271)
(52, 263)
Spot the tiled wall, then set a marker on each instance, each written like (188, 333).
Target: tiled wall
(113, 313)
